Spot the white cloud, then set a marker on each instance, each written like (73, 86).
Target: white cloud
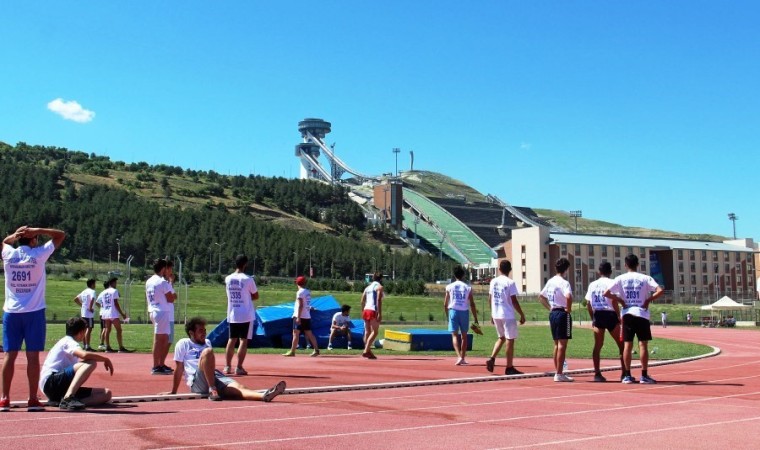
(71, 110)
(525, 146)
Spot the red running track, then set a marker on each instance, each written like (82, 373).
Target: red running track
(702, 404)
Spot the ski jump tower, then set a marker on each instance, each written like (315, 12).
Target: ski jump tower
(313, 133)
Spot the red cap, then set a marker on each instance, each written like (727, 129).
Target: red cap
(301, 281)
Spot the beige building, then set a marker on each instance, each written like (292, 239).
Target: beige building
(688, 270)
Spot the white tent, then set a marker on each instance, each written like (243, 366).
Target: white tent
(725, 304)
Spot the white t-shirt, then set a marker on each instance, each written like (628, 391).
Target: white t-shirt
(189, 354)
(60, 357)
(305, 295)
(556, 291)
(459, 294)
(86, 297)
(371, 294)
(634, 288)
(240, 306)
(25, 279)
(106, 299)
(156, 289)
(595, 294)
(340, 320)
(501, 290)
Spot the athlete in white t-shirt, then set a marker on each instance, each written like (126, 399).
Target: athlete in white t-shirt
(557, 297)
(341, 324)
(456, 305)
(110, 312)
(502, 296)
(86, 300)
(160, 297)
(63, 374)
(634, 291)
(241, 313)
(302, 319)
(24, 318)
(605, 315)
(372, 313)
(194, 359)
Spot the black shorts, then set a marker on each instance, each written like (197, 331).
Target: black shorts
(240, 330)
(606, 320)
(636, 326)
(58, 383)
(561, 324)
(305, 325)
(102, 323)
(90, 322)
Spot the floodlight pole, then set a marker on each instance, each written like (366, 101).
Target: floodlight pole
(396, 151)
(576, 214)
(733, 218)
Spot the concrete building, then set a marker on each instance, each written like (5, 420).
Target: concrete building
(689, 270)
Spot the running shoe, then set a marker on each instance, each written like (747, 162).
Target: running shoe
(214, 396)
(161, 370)
(89, 349)
(227, 370)
(110, 350)
(329, 346)
(628, 380)
(369, 355)
(124, 350)
(34, 405)
(240, 371)
(167, 369)
(71, 403)
(315, 353)
(598, 378)
(101, 347)
(512, 371)
(647, 380)
(288, 354)
(463, 362)
(562, 378)
(349, 347)
(274, 391)
(490, 364)
(5, 405)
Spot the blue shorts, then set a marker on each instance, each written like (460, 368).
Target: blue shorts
(459, 321)
(58, 383)
(561, 324)
(29, 327)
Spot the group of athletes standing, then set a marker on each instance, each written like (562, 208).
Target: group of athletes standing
(619, 306)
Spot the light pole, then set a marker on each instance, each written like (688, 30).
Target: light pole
(209, 259)
(118, 250)
(396, 151)
(576, 214)
(374, 264)
(296, 255)
(732, 217)
(311, 271)
(219, 270)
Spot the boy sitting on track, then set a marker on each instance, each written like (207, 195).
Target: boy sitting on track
(194, 358)
(62, 375)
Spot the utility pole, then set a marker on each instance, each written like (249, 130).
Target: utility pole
(396, 151)
(311, 271)
(576, 214)
(733, 218)
(219, 270)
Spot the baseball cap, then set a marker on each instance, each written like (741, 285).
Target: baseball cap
(301, 280)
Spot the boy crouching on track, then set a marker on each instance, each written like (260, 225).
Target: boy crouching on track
(194, 358)
(63, 374)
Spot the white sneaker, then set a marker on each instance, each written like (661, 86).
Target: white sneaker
(329, 346)
(562, 378)
(349, 347)
(459, 362)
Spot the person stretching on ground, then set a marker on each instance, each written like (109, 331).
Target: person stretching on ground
(63, 374)
(194, 359)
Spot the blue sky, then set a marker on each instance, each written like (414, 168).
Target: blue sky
(641, 113)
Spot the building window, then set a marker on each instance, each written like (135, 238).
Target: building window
(680, 254)
(693, 279)
(545, 268)
(643, 266)
(692, 255)
(738, 279)
(591, 250)
(522, 249)
(604, 250)
(563, 249)
(693, 266)
(680, 266)
(725, 256)
(617, 264)
(680, 279)
(630, 251)
(617, 252)
(544, 255)
(578, 276)
(591, 264)
(643, 253)
(715, 268)
(704, 267)
(683, 290)
(737, 257)
(704, 280)
(577, 249)
(704, 255)
(715, 255)
(728, 268)
(577, 262)
(693, 289)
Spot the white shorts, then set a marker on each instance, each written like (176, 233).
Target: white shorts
(506, 328)
(161, 322)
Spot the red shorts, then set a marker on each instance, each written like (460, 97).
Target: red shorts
(368, 315)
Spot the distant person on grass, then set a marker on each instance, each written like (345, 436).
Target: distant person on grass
(241, 313)
(110, 312)
(634, 292)
(502, 296)
(688, 318)
(664, 319)
(372, 313)
(160, 296)
(86, 300)
(63, 374)
(341, 325)
(194, 358)
(302, 319)
(457, 303)
(605, 315)
(557, 297)
(24, 307)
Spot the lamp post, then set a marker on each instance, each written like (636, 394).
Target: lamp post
(219, 269)
(733, 218)
(396, 151)
(311, 271)
(296, 255)
(576, 214)
(118, 250)
(209, 259)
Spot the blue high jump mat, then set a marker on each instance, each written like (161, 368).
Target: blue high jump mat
(421, 339)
